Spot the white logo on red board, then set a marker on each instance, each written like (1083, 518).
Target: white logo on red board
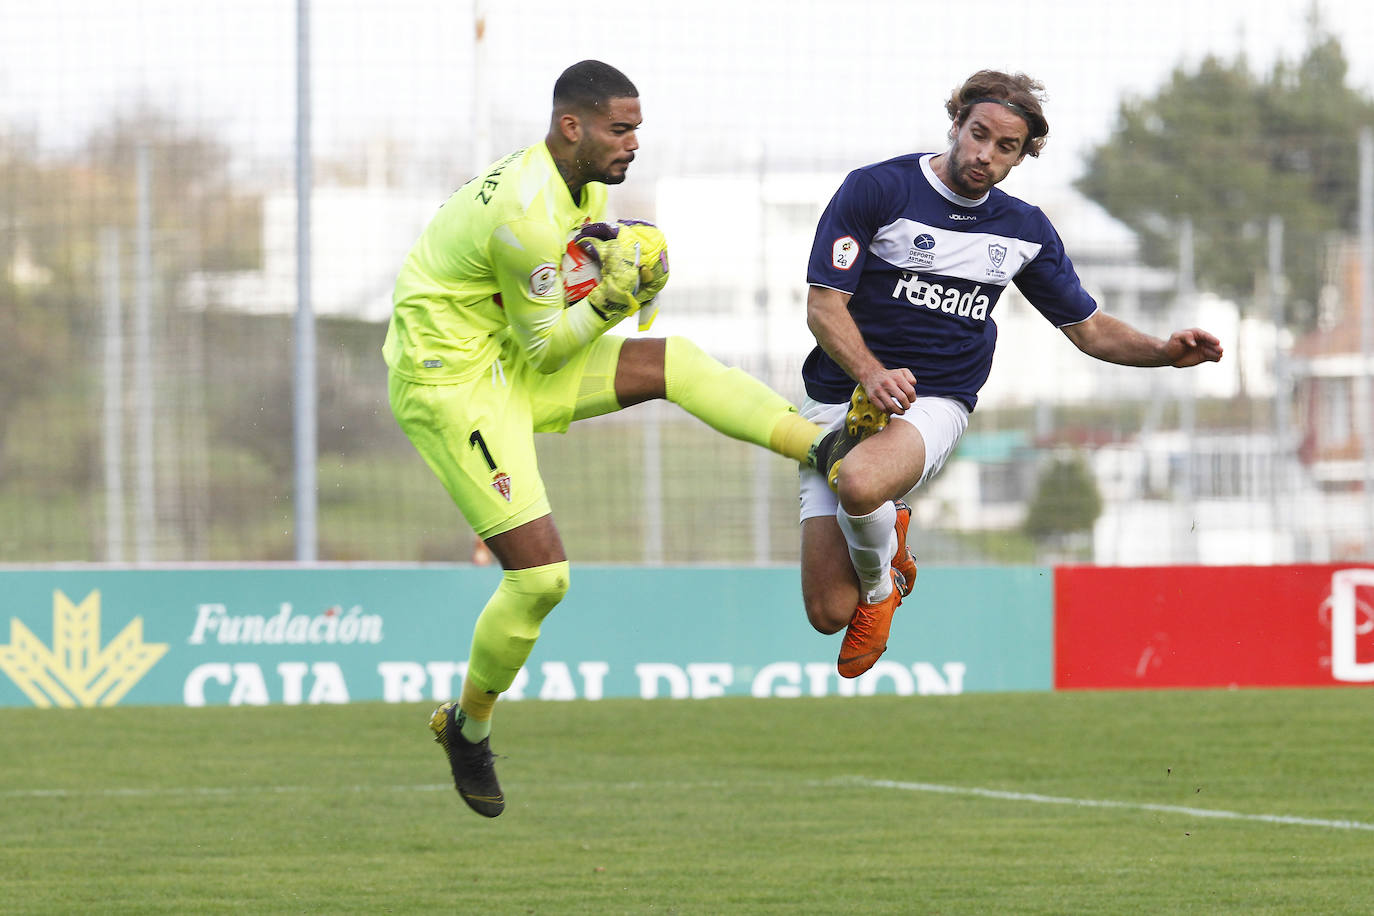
(844, 252)
(1351, 616)
(542, 279)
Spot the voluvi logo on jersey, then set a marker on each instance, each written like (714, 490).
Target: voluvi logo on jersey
(77, 670)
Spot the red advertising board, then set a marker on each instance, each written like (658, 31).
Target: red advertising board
(1207, 626)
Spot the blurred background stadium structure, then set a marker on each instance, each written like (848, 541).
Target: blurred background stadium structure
(1204, 168)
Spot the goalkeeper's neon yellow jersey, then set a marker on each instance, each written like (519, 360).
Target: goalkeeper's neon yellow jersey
(487, 268)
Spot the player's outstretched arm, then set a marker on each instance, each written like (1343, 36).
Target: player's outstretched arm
(1113, 340)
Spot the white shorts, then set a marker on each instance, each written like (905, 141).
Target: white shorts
(940, 421)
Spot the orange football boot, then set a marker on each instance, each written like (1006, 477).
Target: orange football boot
(865, 640)
(904, 561)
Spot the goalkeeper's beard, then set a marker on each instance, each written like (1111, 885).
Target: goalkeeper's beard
(608, 175)
(614, 177)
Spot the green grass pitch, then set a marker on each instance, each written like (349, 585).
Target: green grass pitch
(1245, 802)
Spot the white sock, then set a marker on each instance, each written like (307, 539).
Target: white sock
(472, 729)
(872, 541)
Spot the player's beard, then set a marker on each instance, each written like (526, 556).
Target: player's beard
(604, 172)
(610, 176)
(958, 170)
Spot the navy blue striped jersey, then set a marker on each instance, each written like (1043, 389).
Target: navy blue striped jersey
(924, 268)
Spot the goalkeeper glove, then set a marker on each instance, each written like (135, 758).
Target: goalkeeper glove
(653, 256)
(615, 296)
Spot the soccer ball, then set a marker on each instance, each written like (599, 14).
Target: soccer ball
(581, 267)
(581, 270)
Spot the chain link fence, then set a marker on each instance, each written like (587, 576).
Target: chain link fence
(148, 246)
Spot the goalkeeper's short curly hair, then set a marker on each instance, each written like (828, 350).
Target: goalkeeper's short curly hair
(589, 85)
(1016, 91)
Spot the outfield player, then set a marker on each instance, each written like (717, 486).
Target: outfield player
(482, 353)
(909, 259)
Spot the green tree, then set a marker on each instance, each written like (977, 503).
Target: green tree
(1066, 500)
(1227, 150)
(201, 221)
(55, 206)
(52, 210)
(37, 283)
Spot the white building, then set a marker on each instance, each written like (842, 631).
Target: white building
(359, 237)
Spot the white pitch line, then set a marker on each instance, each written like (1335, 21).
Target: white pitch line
(999, 794)
(1105, 803)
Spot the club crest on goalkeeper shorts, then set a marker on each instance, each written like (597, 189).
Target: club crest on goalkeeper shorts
(477, 436)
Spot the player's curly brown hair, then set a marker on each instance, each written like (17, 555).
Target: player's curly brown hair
(1016, 91)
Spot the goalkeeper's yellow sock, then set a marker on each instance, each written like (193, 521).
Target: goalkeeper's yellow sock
(733, 402)
(504, 635)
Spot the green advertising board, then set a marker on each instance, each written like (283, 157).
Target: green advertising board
(331, 634)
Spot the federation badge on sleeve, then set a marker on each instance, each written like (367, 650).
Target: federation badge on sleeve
(542, 279)
(843, 252)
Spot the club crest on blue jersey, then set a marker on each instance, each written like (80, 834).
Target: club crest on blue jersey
(997, 254)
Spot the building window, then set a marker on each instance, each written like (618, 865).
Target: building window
(1335, 417)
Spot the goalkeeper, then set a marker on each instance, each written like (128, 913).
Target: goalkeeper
(482, 353)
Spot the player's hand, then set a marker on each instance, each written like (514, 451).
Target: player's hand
(653, 265)
(892, 390)
(1191, 347)
(616, 296)
(653, 257)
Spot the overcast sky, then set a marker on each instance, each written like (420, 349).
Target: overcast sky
(796, 81)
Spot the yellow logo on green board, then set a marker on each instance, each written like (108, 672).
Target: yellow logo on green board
(76, 670)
